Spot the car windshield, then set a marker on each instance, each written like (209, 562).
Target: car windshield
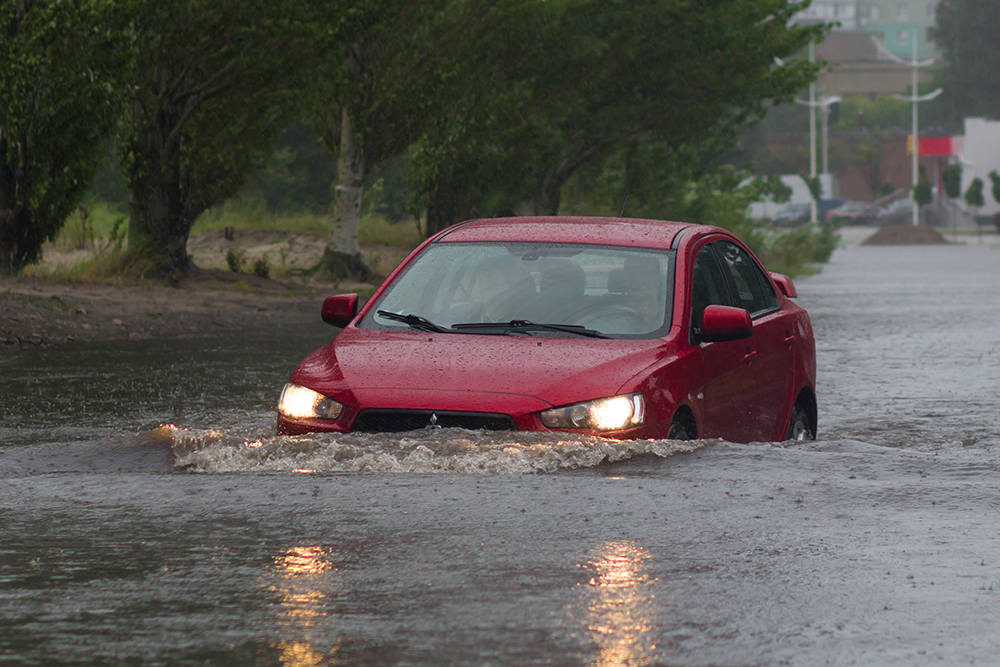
(609, 290)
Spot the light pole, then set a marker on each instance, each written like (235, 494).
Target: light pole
(915, 99)
(814, 104)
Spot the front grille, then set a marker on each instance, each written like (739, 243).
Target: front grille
(395, 421)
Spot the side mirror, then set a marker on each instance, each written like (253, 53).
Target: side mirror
(724, 323)
(785, 284)
(340, 309)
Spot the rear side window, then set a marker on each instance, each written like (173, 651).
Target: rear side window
(709, 286)
(752, 286)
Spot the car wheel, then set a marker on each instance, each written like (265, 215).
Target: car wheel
(679, 430)
(799, 428)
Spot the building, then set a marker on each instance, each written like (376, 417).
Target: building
(857, 67)
(898, 21)
(842, 12)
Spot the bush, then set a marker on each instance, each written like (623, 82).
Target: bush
(235, 258)
(262, 268)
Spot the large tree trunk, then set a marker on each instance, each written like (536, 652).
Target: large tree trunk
(159, 223)
(348, 192)
(20, 242)
(342, 257)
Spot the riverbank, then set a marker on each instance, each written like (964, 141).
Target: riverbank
(38, 311)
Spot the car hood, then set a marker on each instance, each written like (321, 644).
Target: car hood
(556, 371)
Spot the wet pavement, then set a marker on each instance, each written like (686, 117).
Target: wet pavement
(149, 516)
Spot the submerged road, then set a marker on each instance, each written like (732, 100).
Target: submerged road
(213, 542)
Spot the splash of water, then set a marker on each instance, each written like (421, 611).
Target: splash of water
(433, 451)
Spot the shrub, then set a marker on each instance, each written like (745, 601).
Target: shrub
(262, 268)
(235, 258)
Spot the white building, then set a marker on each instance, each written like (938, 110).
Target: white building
(830, 11)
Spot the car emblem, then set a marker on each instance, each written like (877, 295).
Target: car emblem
(433, 424)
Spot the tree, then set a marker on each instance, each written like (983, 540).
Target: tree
(995, 180)
(395, 66)
(213, 86)
(966, 32)
(951, 178)
(923, 194)
(586, 79)
(974, 195)
(58, 88)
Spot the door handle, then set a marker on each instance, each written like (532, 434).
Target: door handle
(790, 340)
(750, 357)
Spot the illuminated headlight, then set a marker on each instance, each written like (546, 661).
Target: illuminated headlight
(604, 414)
(297, 402)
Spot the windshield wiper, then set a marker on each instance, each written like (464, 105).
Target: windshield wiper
(415, 321)
(525, 325)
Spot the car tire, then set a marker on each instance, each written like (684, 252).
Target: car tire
(679, 430)
(799, 429)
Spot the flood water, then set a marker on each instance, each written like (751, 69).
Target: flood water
(148, 515)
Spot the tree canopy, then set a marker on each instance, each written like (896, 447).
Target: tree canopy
(212, 86)
(966, 33)
(62, 61)
(583, 80)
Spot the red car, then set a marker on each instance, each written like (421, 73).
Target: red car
(622, 328)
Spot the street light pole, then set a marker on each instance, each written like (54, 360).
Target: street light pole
(812, 128)
(914, 98)
(814, 104)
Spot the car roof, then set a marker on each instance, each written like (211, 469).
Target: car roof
(634, 232)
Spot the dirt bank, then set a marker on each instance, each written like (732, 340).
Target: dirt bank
(40, 308)
(37, 311)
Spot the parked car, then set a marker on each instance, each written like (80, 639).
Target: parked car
(791, 215)
(623, 328)
(854, 213)
(824, 206)
(899, 212)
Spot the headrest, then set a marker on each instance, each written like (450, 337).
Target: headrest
(566, 278)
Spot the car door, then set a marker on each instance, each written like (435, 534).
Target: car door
(772, 360)
(728, 379)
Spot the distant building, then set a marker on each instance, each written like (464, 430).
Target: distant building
(857, 66)
(843, 12)
(899, 21)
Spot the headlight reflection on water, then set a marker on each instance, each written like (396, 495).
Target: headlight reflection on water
(618, 605)
(304, 574)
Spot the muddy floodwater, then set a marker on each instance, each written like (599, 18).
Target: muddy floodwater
(149, 516)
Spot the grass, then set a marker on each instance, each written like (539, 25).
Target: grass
(101, 229)
(374, 229)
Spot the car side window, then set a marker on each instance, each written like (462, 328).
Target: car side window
(755, 292)
(709, 286)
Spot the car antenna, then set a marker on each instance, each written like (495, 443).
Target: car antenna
(622, 214)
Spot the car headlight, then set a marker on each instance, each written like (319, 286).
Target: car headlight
(603, 414)
(298, 402)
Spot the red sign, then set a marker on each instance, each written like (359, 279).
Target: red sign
(931, 146)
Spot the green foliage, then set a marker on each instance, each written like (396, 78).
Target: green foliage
(966, 32)
(974, 195)
(922, 193)
(213, 86)
(235, 259)
(296, 177)
(262, 267)
(815, 186)
(61, 62)
(951, 176)
(995, 180)
(582, 81)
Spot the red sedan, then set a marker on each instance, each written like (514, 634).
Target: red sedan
(623, 328)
